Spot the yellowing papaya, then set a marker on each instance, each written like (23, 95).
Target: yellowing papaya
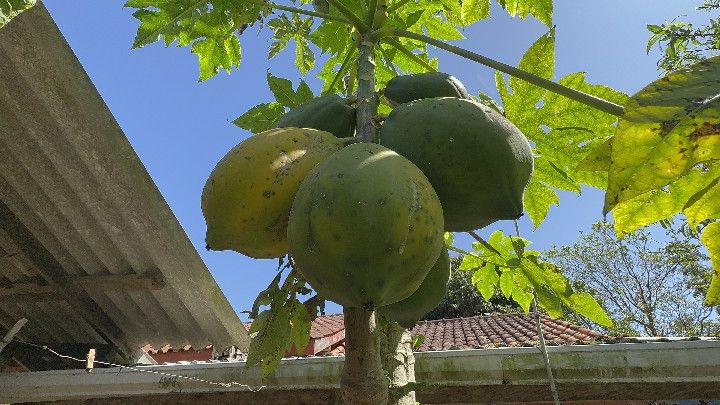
(477, 160)
(247, 198)
(407, 88)
(330, 113)
(365, 227)
(432, 290)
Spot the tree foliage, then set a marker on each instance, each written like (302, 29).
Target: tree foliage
(683, 43)
(11, 8)
(463, 300)
(648, 287)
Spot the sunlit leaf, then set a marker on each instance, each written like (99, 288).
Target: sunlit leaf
(657, 205)
(261, 117)
(665, 126)
(9, 9)
(485, 280)
(585, 305)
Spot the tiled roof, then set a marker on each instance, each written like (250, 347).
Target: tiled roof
(326, 325)
(497, 330)
(494, 330)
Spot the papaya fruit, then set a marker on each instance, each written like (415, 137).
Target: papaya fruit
(431, 291)
(247, 198)
(366, 227)
(478, 162)
(407, 88)
(329, 113)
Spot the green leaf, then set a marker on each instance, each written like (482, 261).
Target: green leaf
(216, 53)
(271, 339)
(507, 285)
(563, 131)
(471, 263)
(486, 280)
(704, 204)
(261, 117)
(660, 138)
(598, 159)
(537, 200)
(301, 323)
(657, 205)
(473, 11)
(449, 238)
(711, 240)
(10, 9)
(540, 9)
(585, 305)
(283, 91)
(548, 301)
(304, 93)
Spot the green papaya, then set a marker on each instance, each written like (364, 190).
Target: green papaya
(329, 113)
(407, 88)
(478, 162)
(366, 227)
(432, 290)
(247, 198)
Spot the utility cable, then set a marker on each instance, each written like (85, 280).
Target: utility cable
(143, 370)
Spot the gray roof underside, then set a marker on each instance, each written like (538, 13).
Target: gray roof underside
(75, 201)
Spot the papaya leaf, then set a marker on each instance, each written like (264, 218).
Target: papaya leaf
(486, 280)
(449, 238)
(507, 285)
(9, 9)
(563, 131)
(585, 305)
(598, 159)
(711, 239)
(301, 322)
(660, 204)
(261, 117)
(704, 204)
(472, 11)
(663, 125)
(210, 27)
(540, 9)
(270, 338)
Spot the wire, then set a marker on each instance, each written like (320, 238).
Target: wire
(178, 376)
(541, 339)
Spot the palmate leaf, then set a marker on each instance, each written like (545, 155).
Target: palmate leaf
(563, 131)
(656, 205)
(504, 265)
(540, 9)
(263, 116)
(9, 9)
(210, 27)
(668, 127)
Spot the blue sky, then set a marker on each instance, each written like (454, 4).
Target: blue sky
(180, 128)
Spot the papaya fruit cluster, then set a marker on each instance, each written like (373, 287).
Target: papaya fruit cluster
(364, 222)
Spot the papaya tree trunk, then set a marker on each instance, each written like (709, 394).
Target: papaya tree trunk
(399, 363)
(363, 380)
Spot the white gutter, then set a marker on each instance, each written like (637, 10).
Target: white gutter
(669, 370)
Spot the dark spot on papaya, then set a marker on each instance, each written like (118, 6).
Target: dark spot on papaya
(268, 193)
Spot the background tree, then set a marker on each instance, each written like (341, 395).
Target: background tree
(463, 299)
(647, 286)
(683, 43)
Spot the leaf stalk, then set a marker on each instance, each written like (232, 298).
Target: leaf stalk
(576, 95)
(347, 13)
(302, 11)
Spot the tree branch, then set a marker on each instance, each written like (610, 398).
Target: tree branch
(576, 95)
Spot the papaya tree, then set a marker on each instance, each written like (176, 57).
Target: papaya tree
(352, 186)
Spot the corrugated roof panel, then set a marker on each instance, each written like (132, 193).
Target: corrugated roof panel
(78, 207)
